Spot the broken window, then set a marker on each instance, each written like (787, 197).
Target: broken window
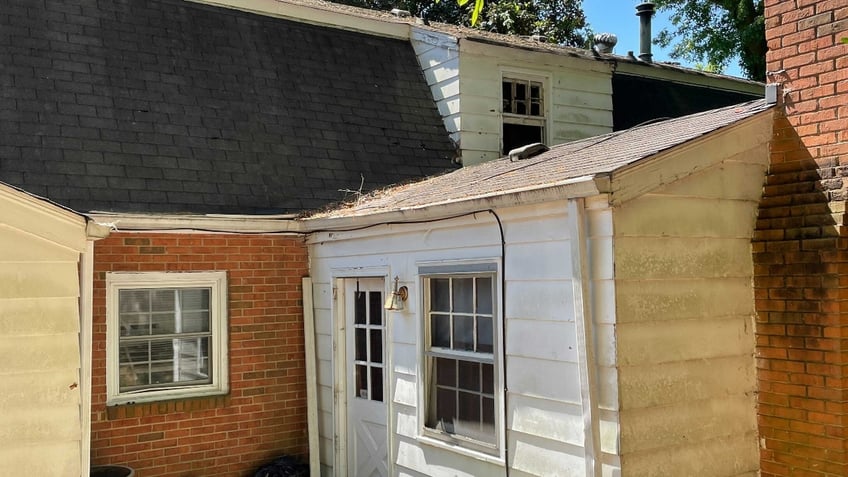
(523, 108)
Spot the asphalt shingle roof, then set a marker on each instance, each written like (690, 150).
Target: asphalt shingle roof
(582, 158)
(167, 106)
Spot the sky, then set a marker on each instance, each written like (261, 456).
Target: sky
(619, 17)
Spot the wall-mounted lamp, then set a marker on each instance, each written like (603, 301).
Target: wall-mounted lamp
(395, 300)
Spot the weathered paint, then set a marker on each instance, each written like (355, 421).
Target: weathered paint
(40, 246)
(578, 96)
(544, 411)
(684, 336)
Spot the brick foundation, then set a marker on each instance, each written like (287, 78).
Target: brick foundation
(801, 246)
(264, 414)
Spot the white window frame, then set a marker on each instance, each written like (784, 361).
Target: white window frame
(526, 119)
(217, 282)
(433, 435)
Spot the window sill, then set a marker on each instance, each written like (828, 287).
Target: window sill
(459, 449)
(165, 405)
(171, 395)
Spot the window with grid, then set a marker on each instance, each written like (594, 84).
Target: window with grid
(166, 335)
(523, 107)
(460, 369)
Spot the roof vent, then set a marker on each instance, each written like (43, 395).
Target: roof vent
(539, 38)
(525, 152)
(400, 13)
(604, 42)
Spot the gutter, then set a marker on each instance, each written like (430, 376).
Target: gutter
(216, 223)
(584, 186)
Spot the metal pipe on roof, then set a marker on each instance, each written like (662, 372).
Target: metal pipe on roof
(645, 11)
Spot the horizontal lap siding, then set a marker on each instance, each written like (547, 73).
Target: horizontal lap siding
(264, 414)
(685, 338)
(578, 97)
(39, 345)
(544, 411)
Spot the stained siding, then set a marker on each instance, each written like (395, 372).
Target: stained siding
(39, 339)
(578, 96)
(685, 338)
(544, 410)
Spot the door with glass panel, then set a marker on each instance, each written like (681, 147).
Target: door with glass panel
(366, 377)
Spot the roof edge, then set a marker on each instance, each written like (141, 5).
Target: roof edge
(573, 188)
(244, 224)
(316, 16)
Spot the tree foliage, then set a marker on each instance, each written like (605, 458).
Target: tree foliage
(559, 21)
(716, 31)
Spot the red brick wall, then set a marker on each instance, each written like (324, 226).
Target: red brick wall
(264, 414)
(800, 254)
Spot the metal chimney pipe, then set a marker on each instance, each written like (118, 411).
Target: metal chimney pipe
(645, 11)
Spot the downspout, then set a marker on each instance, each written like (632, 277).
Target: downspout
(584, 323)
(93, 232)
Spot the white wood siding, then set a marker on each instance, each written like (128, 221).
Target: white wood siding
(578, 96)
(685, 338)
(438, 55)
(544, 412)
(40, 427)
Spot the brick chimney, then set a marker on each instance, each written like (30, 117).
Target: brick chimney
(801, 245)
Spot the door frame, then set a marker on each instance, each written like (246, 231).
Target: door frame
(340, 388)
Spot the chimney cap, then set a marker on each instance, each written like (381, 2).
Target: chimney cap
(645, 8)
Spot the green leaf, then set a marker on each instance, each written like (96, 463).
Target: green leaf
(845, 40)
(475, 14)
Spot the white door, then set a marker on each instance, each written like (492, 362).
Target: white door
(366, 377)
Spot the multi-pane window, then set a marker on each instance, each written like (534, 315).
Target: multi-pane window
(523, 105)
(460, 345)
(368, 345)
(166, 335)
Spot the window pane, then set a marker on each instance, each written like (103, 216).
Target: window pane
(445, 409)
(195, 299)
(361, 388)
(359, 307)
(488, 372)
(535, 91)
(446, 372)
(463, 333)
(195, 322)
(506, 89)
(130, 376)
(440, 331)
(134, 301)
(484, 296)
(440, 294)
(135, 324)
(376, 384)
(162, 323)
(520, 90)
(469, 376)
(468, 417)
(463, 295)
(376, 346)
(162, 300)
(162, 350)
(360, 346)
(535, 109)
(192, 363)
(520, 107)
(134, 353)
(376, 308)
(488, 419)
(485, 334)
